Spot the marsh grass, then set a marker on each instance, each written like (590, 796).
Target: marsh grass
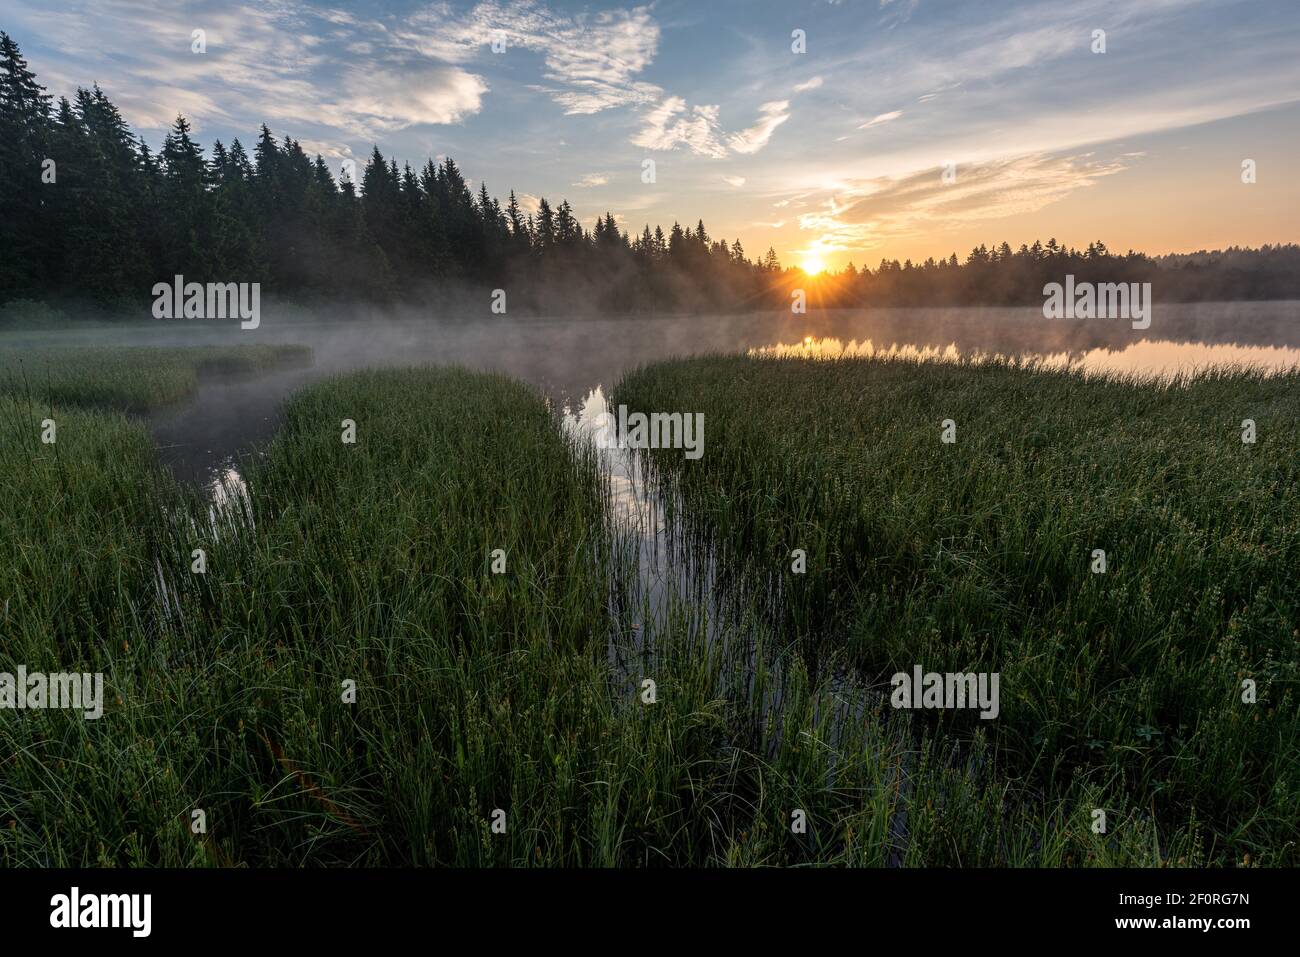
(475, 691)
(371, 563)
(130, 378)
(975, 557)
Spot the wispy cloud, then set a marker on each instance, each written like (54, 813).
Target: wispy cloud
(591, 60)
(894, 12)
(865, 214)
(881, 119)
(270, 61)
(669, 125)
(771, 115)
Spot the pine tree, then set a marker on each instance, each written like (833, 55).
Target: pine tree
(25, 235)
(545, 227)
(567, 231)
(187, 209)
(513, 218)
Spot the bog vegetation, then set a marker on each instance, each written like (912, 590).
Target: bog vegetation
(368, 566)
(129, 378)
(1166, 682)
(350, 680)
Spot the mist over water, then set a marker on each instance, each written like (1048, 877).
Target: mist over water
(568, 358)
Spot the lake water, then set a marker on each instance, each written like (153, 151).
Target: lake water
(569, 359)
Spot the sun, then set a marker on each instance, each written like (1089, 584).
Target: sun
(812, 266)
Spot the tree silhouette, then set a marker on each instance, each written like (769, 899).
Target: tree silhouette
(112, 218)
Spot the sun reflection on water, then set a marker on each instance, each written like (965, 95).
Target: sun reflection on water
(1158, 358)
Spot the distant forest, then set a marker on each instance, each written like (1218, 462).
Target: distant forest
(110, 218)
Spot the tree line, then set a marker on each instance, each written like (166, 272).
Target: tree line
(1000, 276)
(89, 211)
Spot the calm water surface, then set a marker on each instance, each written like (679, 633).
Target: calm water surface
(570, 359)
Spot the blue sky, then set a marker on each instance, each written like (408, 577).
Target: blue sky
(835, 153)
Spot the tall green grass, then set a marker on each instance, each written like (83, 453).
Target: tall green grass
(132, 378)
(975, 556)
(71, 539)
(371, 563)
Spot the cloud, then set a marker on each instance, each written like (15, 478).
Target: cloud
(341, 17)
(327, 149)
(597, 58)
(332, 74)
(592, 179)
(752, 140)
(276, 61)
(590, 59)
(863, 214)
(894, 12)
(592, 63)
(736, 181)
(395, 99)
(881, 119)
(669, 125)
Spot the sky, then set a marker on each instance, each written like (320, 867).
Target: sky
(830, 130)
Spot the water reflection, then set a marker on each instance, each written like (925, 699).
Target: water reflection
(677, 601)
(832, 348)
(661, 579)
(1162, 358)
(230, 505)
(1158, 358)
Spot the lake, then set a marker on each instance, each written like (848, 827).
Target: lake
(570, 358)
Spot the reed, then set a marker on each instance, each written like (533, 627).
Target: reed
(135, 378)
(977, 556)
